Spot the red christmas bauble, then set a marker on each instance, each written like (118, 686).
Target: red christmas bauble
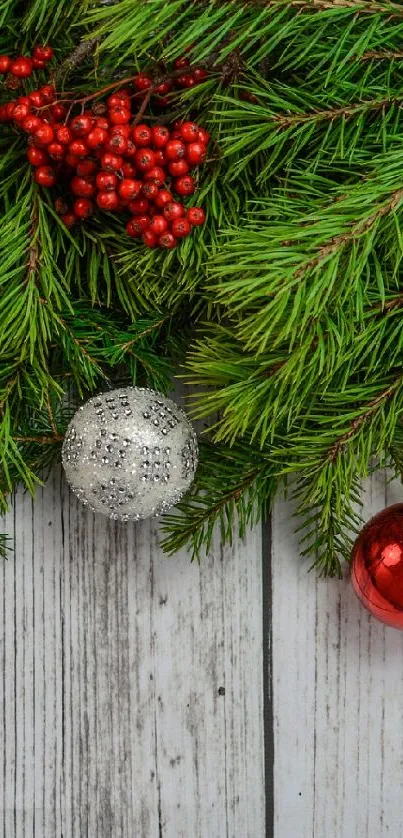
(377, 566)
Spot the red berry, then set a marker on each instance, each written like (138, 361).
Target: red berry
(124, 129)
(69, 219)
(163, 88)
(195, 153)
(82, 187)
(142, 81)
(5, 64)
(167, 240)
(102, 123)
(173, 210)
(142, 135)
(162, 101)
(182, 80)
(36, 98)
(21, 67)
(43, 52)
(56, 151)
(181, 228)
(81, 125)
(139, 206)
(106, 181)
(45, 176)
(174, 150)
(119, 116)
(129, 189)
(137, 225)
(199, 74)
(189, 131)
(21, 111)
(117, 143)
(189, 80)
(159, 225)
(83, 207)
(160, 158)
(10, 106)
(178, 168)
(36, 156)
(164, 197)
(96, 138)
(79, 148)
(108, 201)
(87, 168)
(44, 134)
(160, 136)
(150, 190)
(128, 169)
(72, 160)
(48, 93)
(196, 216)
(184, 185)
(149, 239)
(31, 123)
(111, 162)
(63, 135)
(58, 111)
(145, 159)
(119, 99)
(181, 62)
(37, 64)
(131, 148)
(156, 173)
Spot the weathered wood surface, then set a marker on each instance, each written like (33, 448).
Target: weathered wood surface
(338, 699)
(115, 661)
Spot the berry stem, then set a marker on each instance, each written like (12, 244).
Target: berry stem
(120, 83)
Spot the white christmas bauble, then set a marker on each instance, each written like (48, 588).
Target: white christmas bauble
(130, 453)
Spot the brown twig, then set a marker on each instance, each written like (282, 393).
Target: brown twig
(356, 231)
(33, 250)
(288, 120)
(74, 59)
(40, 440)
(371, 408)
(392, 10)
(51, 415)
(383, 55)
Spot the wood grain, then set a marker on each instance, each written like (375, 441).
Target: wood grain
(132, 686)
(338, 699)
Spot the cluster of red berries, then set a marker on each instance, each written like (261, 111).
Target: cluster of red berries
(110, 161)
(23, 66)
(190, 77)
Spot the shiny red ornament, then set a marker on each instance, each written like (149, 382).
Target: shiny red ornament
(377, 566)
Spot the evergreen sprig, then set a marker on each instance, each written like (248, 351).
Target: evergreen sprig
(284, 313)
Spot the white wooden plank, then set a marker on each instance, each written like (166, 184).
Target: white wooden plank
(338, 698)
(114, 656)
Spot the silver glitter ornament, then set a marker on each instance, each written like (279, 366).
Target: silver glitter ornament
(130, 453)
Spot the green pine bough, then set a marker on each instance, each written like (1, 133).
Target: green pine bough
(284, 313)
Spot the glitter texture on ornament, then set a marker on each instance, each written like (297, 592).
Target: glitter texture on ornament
(130, 453)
